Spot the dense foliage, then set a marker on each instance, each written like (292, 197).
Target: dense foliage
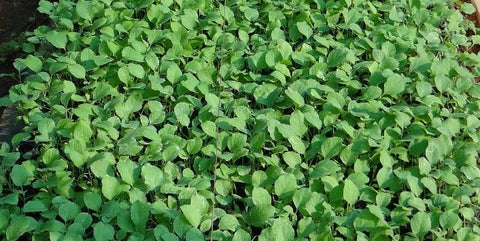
(240, 120)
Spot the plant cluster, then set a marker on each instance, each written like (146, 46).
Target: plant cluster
(239, 120)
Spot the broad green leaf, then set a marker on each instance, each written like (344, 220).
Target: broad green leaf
(20, 175)
(468, 8)
(297, 144)
(285, 185)
(421, 224)
(283, 230)
(295, 97)
(57, 39)
(292, 158)
(128, 170)
(34, 206)
(331, 147)
(229, 222)
(92, 200)
(173, 73)
(152, 176)
(83, 9)
(103, 231)
(189, 19)
(77, 71)
(442, 83)
(305, 29)
(297, 122)
(20, 225)
(336, 57)
(68, 211)
(110, 187)
(194, 211)
(33, 63)
(251, 14)
(139, 213)
(260, 214)
(423, 88)
(350, 192)
(449, 219)
(394, 85)
(236, 142)
(182, 112)
(136, 70)
(241, 235)
(129, 53)
(260, 196)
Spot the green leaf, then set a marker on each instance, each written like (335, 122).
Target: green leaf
(313, 118)
(19, 225)
(83, 9)
(229, 222)
(170, 153)
(152, 176)
(139, 213)
(34, 206)
(331, 147)
(394, 85)
(128, 170)
(20, 175)
(129, 53)
(152, 61)
(194, 145)
(297, 122)
(92, 200)
(182, 112)
(251, 14)
(336, 57)
(236, 142)
(283, 230)
(241, 235)
(424, 88)
(305, 29)
(350, 192)
(468, 8)
(442, 83)
(77, 71)
(260, 196)
(33, 63)
(57, 39)
(260, 214)
(285, 185)
(173, 73)
(192, 214)
(295, 97)
(68, 211)
(103, 231)
(189, 19)
(110, 187)
(421, 224)
(433, 152)
(82, 131)
(136, 70)
(292, 158)
(449, 219)
(297, 144)
(194, 211)
(209, 128)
